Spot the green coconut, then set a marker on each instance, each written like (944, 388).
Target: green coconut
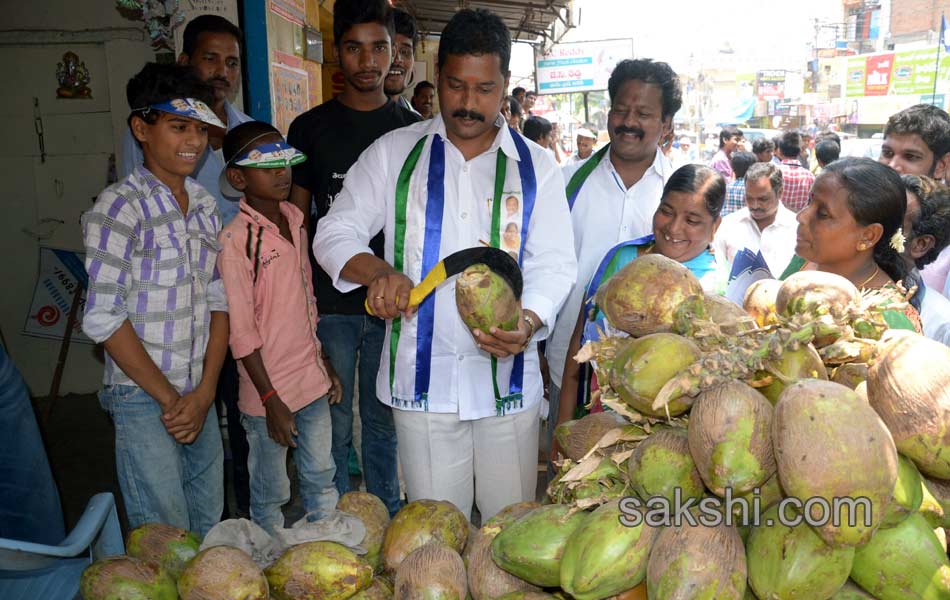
(760, 498)
(485, 300)
(223, 573)
(794, 365)
(697, 562)
(661, 465)
(935, 502)
(908, 493)
(903, 562)
(379, 589)
(759, 301)
(730, 438)
(851, 591)
(431, 572)
(374, 515)
(531, 548)
(422, 522)
(163, 545)
(830, 444)
(318, 571)
(815, 293)
(642, 297)
(126, 578)
(607, 554)
(915, 408)
(577, 437)
(644, 366)
(793, 562)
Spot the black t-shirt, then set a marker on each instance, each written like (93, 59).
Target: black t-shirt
(333, 136)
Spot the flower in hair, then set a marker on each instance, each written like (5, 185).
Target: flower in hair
(897, 241)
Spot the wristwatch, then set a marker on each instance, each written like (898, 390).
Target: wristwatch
(534, 327)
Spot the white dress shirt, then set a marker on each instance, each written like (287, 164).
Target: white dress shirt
(605, 213)
(460, 372)
(739, 230)
(935, 316)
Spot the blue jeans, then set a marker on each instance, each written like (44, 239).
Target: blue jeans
(267, 465)
(343, 337)
(162, 480)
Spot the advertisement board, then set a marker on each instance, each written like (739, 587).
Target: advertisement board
(907, 73)
(580, 66)
(770, 85)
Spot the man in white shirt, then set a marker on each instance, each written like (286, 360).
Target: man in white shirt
(614, 193)
(763, 225)
(927, 232)
(583, 146)
(467, 402)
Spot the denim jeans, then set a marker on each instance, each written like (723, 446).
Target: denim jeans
(343, 337)
(162, 480)
(267, 465)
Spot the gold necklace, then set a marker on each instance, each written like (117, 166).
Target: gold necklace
(873, 275)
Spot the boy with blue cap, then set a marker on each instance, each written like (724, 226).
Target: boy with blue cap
(157, 304)
(286, 383)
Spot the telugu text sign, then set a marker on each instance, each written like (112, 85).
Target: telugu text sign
(580, 67)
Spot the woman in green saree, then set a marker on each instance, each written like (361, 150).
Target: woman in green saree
(852, 227)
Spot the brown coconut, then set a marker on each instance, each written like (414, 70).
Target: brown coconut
(828, 443)
(730, 438)
(577, 437)
(850, 374)
(431, 572)
(697, 562)
(486, 580)
(909, 386)
(759, 301)
(641, 298)
(374, 515)
(730, 317)
(507, 516)
(380, 589)
(485, 300)
(222, 573)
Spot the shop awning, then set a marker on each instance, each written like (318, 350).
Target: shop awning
(528, 20)
(736, 115)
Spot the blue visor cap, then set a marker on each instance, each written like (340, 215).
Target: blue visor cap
(190, 108)
(269, 156)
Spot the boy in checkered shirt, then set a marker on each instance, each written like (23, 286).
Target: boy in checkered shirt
(157, 304)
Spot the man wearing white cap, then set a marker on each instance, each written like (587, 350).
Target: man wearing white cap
(585, 146)
(685, 154)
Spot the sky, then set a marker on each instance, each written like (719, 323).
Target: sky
(770, 34)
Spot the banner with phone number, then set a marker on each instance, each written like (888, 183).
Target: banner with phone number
(61, 272)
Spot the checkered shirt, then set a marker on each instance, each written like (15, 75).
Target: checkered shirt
(735, 197)
(154, 267)
(796, 185)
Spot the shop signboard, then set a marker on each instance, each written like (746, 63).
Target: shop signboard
(907, 73)
(879, 69)
(857, 74)
(579, 66)
(770, 85)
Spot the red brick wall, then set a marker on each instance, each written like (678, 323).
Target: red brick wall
(914, 16)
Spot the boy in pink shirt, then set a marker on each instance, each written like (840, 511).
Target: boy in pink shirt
(285, 383)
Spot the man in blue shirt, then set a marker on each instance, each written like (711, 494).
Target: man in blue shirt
(212, 46)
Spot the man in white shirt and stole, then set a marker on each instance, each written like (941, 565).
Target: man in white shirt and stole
(467, 402)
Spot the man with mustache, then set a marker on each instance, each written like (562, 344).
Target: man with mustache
(614, 193)
(764, 224)
(333, 135)
(404, 55)
(466, 402)
(211, 45)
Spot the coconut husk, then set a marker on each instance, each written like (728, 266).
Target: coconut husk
(485, 300)
(223, 573)
(163, 545)
(759, 301)
(486, 580)
(909, 387)
(431, 572)
(577, 437)
(830, 444)
(318, 570)
(374, 515)
(103, 578)
(730, 438)
(662, 465)
(683, 565)
(423, 522)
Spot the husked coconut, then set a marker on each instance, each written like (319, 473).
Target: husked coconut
(830, 444)
(485, 300)
(909, 386)
(431, 572)
(730, 438)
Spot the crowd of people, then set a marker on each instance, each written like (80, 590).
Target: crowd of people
(232, 268)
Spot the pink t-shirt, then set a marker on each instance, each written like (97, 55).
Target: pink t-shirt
(271, 307)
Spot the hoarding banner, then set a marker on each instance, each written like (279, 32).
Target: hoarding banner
(579, 67)
(907, 73)
(879, 69)
(770, 85)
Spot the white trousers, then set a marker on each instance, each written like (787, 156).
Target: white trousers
(492, 461)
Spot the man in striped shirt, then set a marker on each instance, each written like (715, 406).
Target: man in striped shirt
(157, 304)
(735, 191)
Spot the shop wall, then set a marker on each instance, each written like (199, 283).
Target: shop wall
(45, 194)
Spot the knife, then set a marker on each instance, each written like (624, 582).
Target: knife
(495, 259)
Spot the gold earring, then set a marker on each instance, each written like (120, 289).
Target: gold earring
(862, 246)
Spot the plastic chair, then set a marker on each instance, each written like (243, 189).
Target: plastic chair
(31, 571)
